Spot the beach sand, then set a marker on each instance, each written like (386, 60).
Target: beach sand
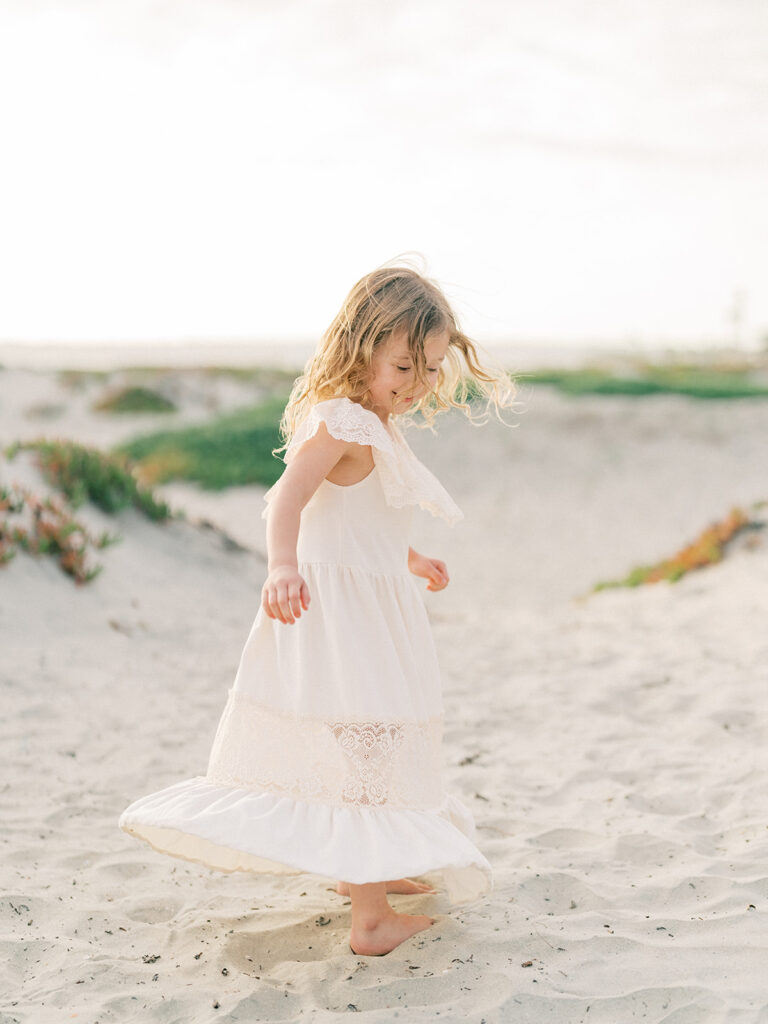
(611, 747)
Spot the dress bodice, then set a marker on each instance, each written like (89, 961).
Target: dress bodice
(398, 481)
(354, 526)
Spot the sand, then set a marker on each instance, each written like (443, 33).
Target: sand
(610, 746)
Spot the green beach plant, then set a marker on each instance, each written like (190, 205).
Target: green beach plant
(47, 526)
(232, 450)
(690, 381)
(134, 399)
(82, 473)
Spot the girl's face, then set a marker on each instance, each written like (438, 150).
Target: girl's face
(394, 386)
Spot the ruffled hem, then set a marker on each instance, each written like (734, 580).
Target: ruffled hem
(230, 829)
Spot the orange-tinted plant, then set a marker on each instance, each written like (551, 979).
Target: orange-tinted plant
(45, 526)
(707, 549)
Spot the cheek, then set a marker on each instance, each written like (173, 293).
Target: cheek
(379, 382)
(380, 378)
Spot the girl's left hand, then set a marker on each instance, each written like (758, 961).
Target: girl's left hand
(431, 569)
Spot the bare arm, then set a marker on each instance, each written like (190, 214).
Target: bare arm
(285, 592)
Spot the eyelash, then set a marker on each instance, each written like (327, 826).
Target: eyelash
(405, 368)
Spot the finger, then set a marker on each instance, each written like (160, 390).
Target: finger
(294, 600)
(265, 604)
(283, 604)
(437, 570)
(305, 595)
(274, 605)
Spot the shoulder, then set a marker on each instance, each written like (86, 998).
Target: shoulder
(343, 420)
(350, 421)
(343, 408)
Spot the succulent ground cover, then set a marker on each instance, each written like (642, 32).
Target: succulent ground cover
(707, 549)
(133, 400)
(47, 525)
(230, 450)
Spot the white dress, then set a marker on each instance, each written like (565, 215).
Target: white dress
(327, 758)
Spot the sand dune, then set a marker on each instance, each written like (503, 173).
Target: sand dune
(611, 748)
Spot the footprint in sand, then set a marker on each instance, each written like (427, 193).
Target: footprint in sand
(121, 870)
(154, 910)
(270, 945)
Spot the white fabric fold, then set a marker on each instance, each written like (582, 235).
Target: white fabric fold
(230, 829)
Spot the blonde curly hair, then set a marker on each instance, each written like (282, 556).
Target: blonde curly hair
(393, 298)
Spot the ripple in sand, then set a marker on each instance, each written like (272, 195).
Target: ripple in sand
(569, 838)
(639, 848)
(660, 1005)
(557, 893)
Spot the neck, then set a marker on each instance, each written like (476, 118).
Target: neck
(384, 417)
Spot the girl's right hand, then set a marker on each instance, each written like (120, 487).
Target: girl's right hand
(284, 594)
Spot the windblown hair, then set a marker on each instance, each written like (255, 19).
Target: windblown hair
(392, 298)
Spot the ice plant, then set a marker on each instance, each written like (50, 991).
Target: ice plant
(45, 526)
(707, 549)
(83, 473)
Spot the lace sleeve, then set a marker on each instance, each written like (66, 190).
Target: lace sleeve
(345, 420)
(407, 481)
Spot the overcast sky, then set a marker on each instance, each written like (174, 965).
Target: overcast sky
(228, 169)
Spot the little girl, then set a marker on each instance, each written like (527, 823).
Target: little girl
(327, 757)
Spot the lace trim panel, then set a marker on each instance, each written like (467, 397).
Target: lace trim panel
(406, 481)
(344, 763)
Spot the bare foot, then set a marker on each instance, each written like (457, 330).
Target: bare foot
(399, 886)
(387, 933)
